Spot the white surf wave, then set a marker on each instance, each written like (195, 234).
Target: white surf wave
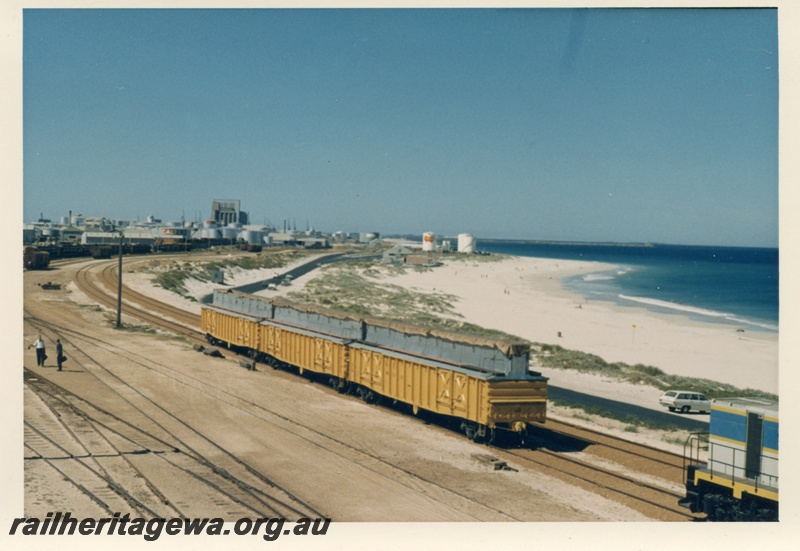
(697, 311)
(597, 277)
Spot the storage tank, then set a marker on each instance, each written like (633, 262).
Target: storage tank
(428, 241)
(231, 231)
(466, 243)
(207, 233)
(252, 237)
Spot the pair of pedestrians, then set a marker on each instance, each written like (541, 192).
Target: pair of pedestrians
(41, 352)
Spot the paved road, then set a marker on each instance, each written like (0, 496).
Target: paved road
(663, 419)
(296, 272)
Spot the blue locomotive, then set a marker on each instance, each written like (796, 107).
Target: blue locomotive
(738, 480)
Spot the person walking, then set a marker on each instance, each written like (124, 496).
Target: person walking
(59, 353)
(40, 351)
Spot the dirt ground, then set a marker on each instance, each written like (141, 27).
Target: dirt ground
(353, 461)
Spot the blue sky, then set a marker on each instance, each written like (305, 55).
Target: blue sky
(590, 125)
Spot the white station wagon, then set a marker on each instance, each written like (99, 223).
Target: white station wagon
(685, 401)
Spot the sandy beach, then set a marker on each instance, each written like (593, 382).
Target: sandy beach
(525, 297)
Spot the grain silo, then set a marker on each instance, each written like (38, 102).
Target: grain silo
(428, 242)
(466, 243)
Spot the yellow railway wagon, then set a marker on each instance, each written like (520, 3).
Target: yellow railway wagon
(234, 329)
(487, 402)
(516, 401)
(303, 349)
(484, 400)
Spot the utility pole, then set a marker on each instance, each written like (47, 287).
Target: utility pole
(119, 283)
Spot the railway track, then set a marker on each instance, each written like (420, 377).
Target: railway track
(103, 289)
(50, 437)
(655, 499)
(167, 463)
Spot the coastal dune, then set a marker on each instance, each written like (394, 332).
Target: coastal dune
(525, 297)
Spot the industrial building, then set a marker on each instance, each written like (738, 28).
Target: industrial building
(227, 211)
(227, 226)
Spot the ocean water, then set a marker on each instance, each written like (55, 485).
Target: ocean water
(712, 284)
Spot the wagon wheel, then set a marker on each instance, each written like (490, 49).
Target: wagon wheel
(366, 394)
(477, 433)
(339, 385)
(685, 409)
(470, 429)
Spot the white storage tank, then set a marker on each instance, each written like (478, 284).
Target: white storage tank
(207, 233)
(428, 241)
(252, 237)
(466, 243)
(231, 230)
